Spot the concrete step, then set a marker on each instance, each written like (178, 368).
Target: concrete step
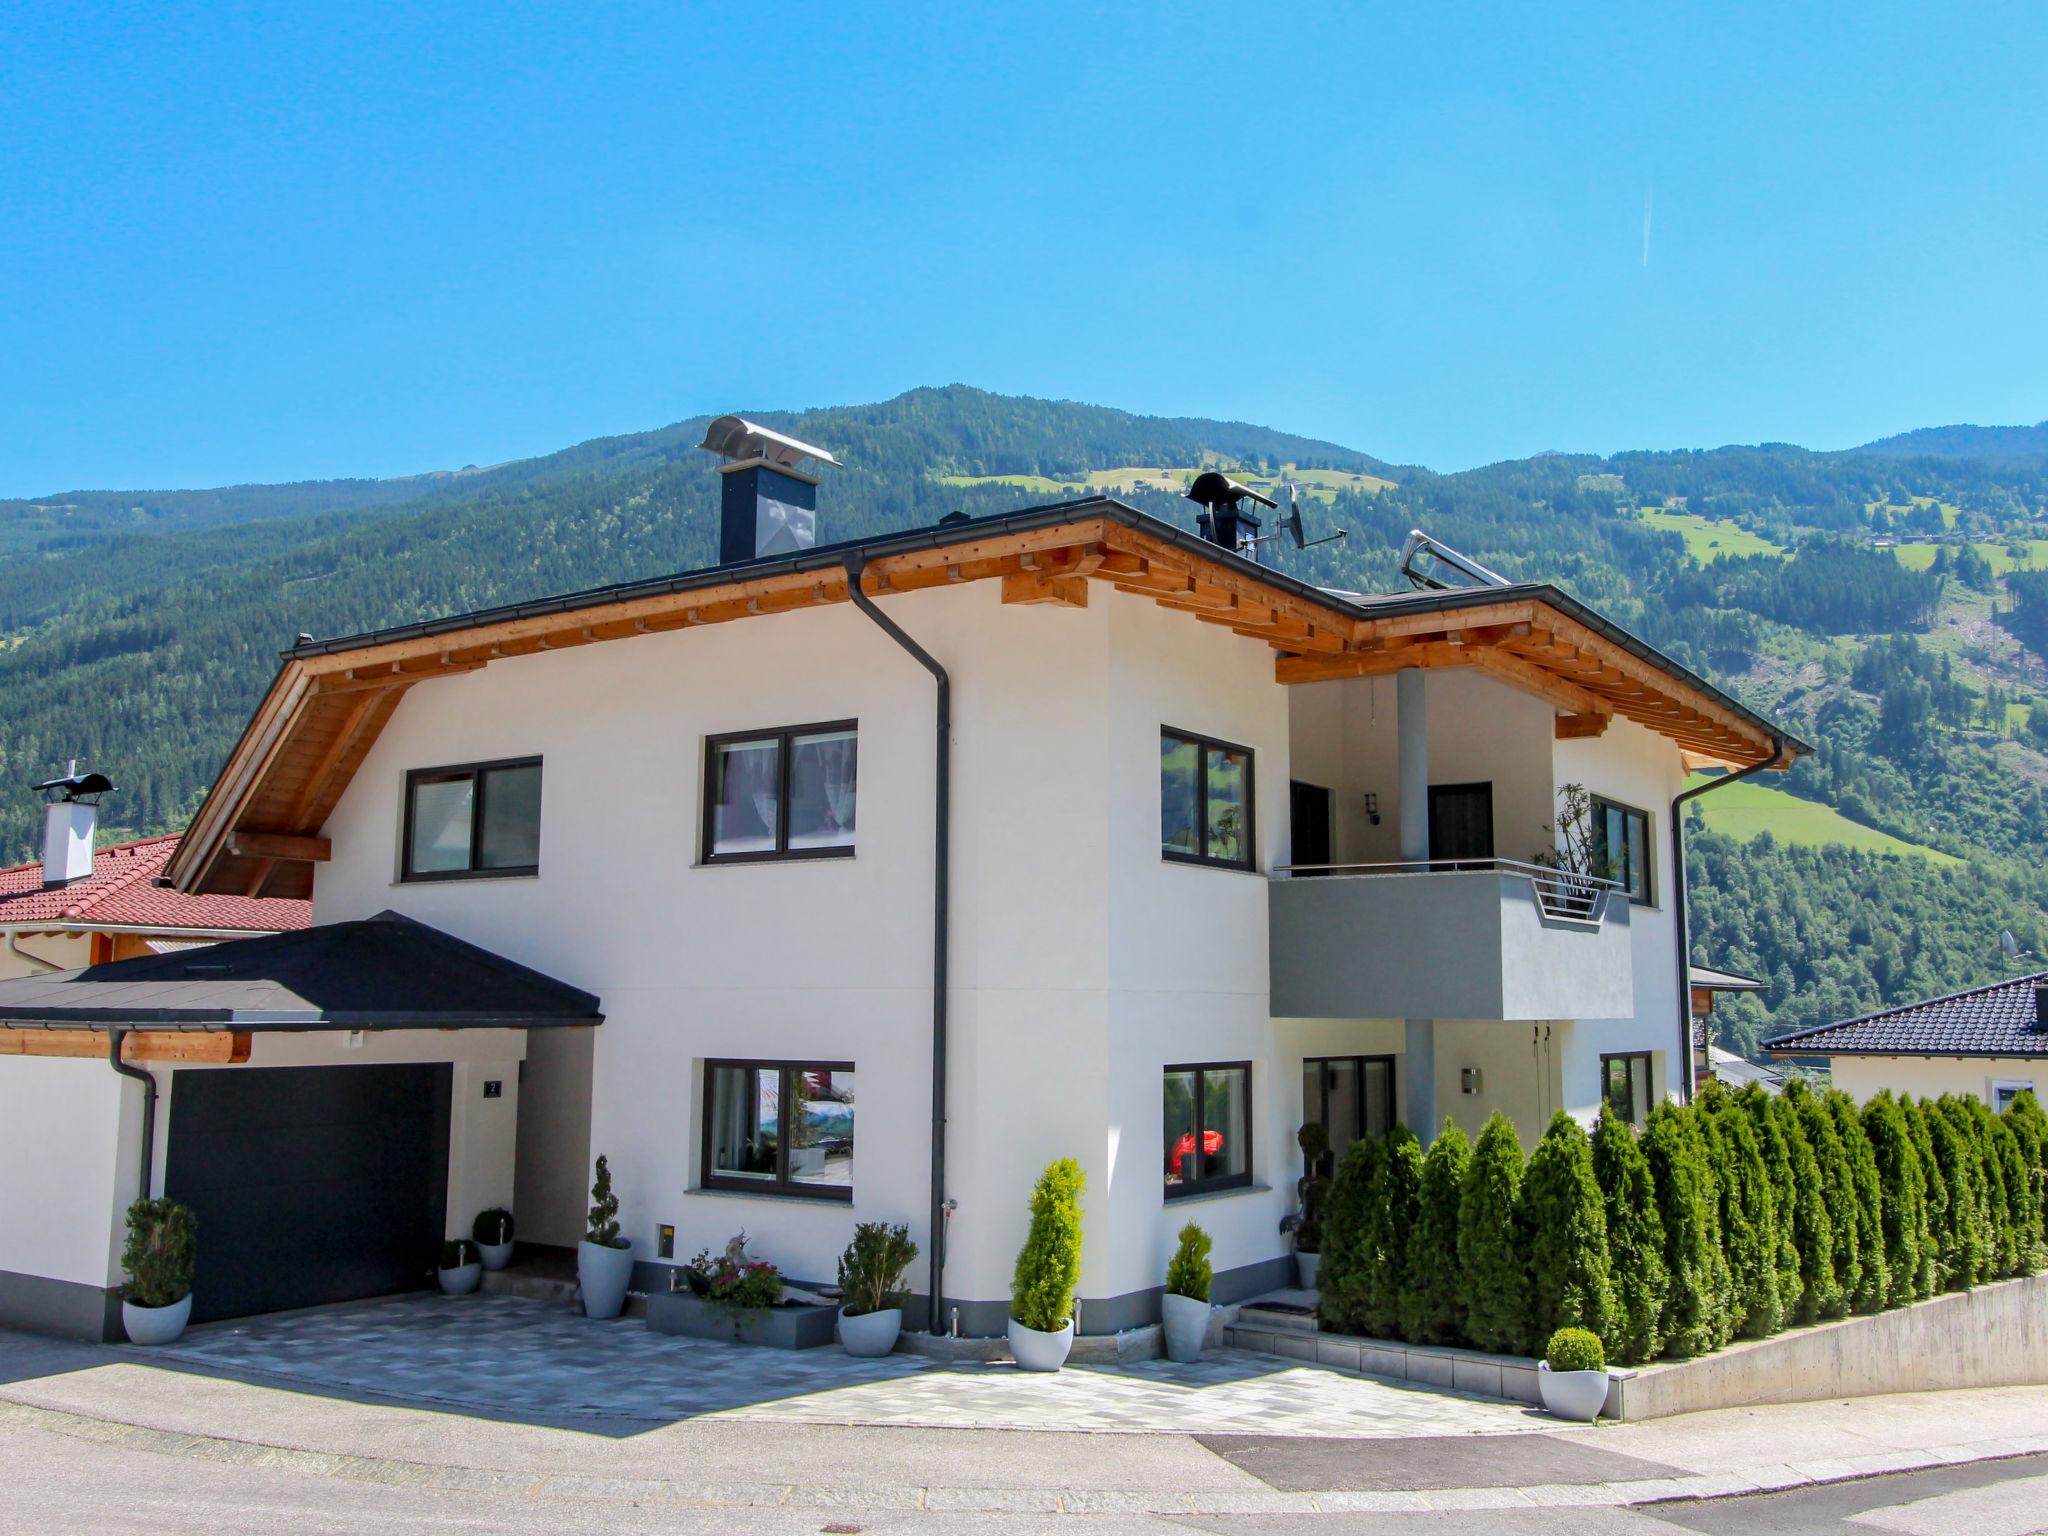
(1285, 1311)
(546, 1287)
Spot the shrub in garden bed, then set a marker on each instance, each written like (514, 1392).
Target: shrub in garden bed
(1635, 1241)
(1490, 1240)
(1433, 1301)
(1569, 1283)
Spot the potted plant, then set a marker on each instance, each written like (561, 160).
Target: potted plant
(604, 1260)
(1184, 1310)
(493, 1235)
(163, 1245)
(871, 1281)
(462, 1267)
(1313, 1190)
(1572, 1375)
(1048, 1268)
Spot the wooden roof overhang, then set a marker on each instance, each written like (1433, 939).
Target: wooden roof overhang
(257, 832)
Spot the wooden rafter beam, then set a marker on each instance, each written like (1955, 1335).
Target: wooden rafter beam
(212, 1047)
(1043, 587)
(280, 845)
(1579, 727)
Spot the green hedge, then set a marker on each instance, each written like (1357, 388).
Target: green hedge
(1741, 1214)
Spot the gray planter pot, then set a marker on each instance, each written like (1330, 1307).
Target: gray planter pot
(1185, 1322)
(1035, 1351)
(460, 1280)
(602, 1274)
(1576, 1395)
(156, 1325)
(872, 1334)
(771, 1327)
(496, 1255)
(1305, 1267)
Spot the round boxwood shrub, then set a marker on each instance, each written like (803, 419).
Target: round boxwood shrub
(1049, 1264)
(1635, 1241)
(1905, 1239)
(1490, 1240)
(1575, 1349)
(494, 1226)
(1569, 1280)
(1433, 1303)
(1696, 1313)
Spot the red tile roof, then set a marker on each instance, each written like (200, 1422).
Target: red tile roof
(121, 893)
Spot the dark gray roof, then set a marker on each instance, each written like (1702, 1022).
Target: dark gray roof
(1998, 1020)
(384, 972)
(1738, 1073)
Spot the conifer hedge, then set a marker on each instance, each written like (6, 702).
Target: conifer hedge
(1742, 1212)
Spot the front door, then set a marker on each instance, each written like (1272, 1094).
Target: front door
(1349, 1096)
(1461, 821)
(1310, 808)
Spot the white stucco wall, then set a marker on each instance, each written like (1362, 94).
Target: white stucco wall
(65, 951)
(1929, 1077)
(71, 1130)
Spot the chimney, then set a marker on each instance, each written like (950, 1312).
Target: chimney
(69, 822)
(769, 504)
(1225, 520)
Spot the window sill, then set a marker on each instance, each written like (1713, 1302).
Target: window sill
(1203, 1197)
(1183, 861)
(757, 860)
(779, 1195)
(413, 882)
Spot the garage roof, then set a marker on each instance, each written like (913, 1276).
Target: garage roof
(384, 972)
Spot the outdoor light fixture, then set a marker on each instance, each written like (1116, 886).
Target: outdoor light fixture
(1468, 1079)
(1372, 807)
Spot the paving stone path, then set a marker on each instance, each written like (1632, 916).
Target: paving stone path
(514, 1358)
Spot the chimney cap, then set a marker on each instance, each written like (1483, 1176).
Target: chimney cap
(78, 786)
(746, 442)
(1213, 488)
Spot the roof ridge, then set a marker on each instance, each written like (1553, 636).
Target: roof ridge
(2037, 978)
(93, 895)
(111, 848)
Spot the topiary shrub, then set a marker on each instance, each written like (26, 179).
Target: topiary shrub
(1049, 1264)
(1903, 1208)
(1749, 1222)
(1635, 1241)
(603, 1221)
(1696, 1315)
(1937, 1245)
(871, 1269)
(1836, 1183)
(1490, 1240)
(1775, 1136)
(1353, 1193)
(1565, 1219)
(458, 1251)
(1381, 1280)
(492, 1227)
(162, 1248)
(1874, 1276)
(1187, 1272)
(1433, 1300)
(1312, 1189)
(1575, 1349)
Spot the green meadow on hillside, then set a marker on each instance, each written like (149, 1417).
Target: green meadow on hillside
(1748, 809)
(1321, 483)
(1708, 538)
(1919, 557)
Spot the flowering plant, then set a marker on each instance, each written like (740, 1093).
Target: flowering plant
(734, 1279)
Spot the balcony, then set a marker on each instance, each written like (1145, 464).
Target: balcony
(1470, 939)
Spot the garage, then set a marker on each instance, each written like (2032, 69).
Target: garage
(311, 1184)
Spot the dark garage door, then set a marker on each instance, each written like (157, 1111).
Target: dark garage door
(311, 1184)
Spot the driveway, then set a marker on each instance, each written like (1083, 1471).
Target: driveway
(538, 1362)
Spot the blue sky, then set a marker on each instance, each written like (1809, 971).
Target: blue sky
(247, 243)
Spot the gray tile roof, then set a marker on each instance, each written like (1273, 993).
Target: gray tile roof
(1998, 1020)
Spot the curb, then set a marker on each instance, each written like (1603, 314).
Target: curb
(395, 1472)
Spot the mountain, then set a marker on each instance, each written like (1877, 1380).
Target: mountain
(1963, 442)
(1886, 607)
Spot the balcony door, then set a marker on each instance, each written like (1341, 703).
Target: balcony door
(1349, 1096)
(1309, 808)
(1461, 821)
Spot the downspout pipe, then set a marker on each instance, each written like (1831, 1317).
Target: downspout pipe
(116, 1038)
(1678, 897)
(942, 813)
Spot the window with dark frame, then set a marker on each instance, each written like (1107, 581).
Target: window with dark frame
(1208, 1138)
(474, 821)
(1625, 1086)
(1205, 801)
(789, 793)
(779, 1128)
(1350, 1097)
(1621, 842)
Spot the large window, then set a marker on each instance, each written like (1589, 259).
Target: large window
(1350, 1097)
(476, 821)
(1208, 1128)
(1205, 801)
(779, 1127)
(784, 794)
(1621, 842)
(1625, 1086)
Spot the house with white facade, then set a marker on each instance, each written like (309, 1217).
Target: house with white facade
(870, 877)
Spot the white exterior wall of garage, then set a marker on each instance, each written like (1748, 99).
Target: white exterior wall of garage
(1082, 963)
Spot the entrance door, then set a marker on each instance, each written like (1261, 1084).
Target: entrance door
(1461, 821)
(1349, 1096)
(1309, 805)
(310, 1184)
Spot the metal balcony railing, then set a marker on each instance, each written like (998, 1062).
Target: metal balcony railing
(1561, 895)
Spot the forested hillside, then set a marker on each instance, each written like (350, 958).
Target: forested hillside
(1893, 608)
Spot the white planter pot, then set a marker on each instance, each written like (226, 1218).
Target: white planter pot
(1576, 1395)
(872, 1334)
(806, 1160)
(496, 1255)
(460, 1280)
(156, 1325)
(1305, 1267)
(1035, 1351)
(1185, 1322)
(602, 1274)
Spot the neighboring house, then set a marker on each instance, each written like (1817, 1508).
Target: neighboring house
(1707, 984)
(1735, 1071)
(1989, 1042)
(1157, 849)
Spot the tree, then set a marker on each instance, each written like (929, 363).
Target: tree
(1872, 1289)
(1049, 1263)
(1907, 1242)
(1382, 1279)
(1696, 1316)
(1804, 1210)
(1433, 1304)
(2029, 1126)
(1346, 1214)
(1749, 1223)
(1635, 1241)
(1835, 1183)
(1775, 1137)
(1490, 1243)
(1565, 1219)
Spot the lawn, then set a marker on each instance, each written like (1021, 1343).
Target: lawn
(1744, 810)
(1918, 557)
(1320, 483)
(1708, 539)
